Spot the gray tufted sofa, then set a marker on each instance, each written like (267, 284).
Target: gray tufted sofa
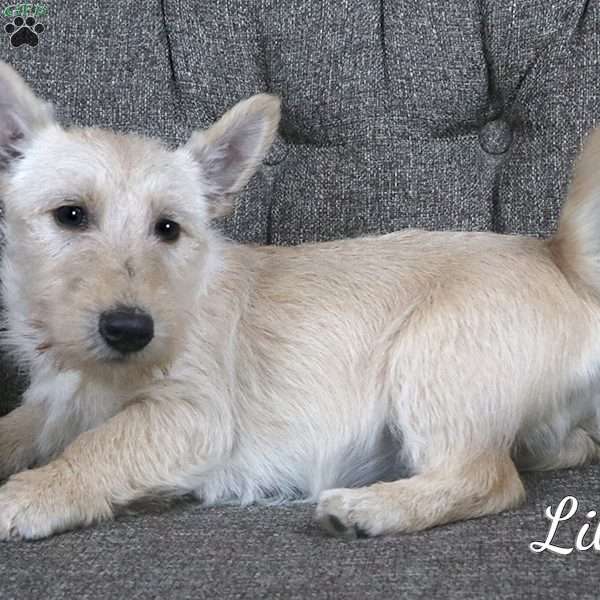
(442, 114)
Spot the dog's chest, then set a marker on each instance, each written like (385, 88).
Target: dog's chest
(70, 408)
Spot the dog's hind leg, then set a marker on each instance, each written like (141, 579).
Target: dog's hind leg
(460, 490)
(457, 407)
(579, 448)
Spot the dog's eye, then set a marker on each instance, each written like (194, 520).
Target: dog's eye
(167, 230)
(72, 217)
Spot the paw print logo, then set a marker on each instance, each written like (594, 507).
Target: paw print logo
(24, 31)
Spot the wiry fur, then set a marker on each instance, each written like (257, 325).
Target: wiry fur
(278, 373)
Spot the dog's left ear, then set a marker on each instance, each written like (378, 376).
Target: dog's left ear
(22, 114)
(230, 151)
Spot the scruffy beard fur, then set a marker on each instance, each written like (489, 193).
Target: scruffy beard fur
(398, 381)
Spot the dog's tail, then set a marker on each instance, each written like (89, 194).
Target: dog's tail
(576, 245)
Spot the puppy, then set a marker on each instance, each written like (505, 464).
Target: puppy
(164, 359)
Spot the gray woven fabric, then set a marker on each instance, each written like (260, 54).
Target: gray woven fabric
(193, 553)
(440, 114)
(389, 106)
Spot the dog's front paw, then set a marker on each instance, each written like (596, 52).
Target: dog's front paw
(351, 513)
(35, 504)
(23, 514)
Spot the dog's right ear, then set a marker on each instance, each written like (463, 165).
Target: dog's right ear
(22, 115)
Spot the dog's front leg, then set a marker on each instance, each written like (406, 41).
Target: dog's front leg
(18, 436)
(150, 446)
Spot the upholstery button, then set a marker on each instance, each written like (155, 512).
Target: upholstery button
(496, 137)
(277, 152)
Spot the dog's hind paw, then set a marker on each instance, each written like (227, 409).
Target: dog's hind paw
(349, 513)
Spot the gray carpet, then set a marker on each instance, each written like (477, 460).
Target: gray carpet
(277, 552)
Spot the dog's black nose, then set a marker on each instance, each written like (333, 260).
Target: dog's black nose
(126, 329)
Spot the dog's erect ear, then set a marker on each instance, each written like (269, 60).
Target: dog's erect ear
(230, 151)
(21, 114)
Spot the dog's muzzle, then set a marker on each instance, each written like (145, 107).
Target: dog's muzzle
(127, 329)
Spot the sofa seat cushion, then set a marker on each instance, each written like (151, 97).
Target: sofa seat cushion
(278, 552)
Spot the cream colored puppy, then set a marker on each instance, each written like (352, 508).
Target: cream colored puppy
(166, 360)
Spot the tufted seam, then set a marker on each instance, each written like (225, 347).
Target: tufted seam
(561, 43)
(173, 81)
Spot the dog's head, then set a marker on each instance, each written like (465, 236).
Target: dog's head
(107, 237)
